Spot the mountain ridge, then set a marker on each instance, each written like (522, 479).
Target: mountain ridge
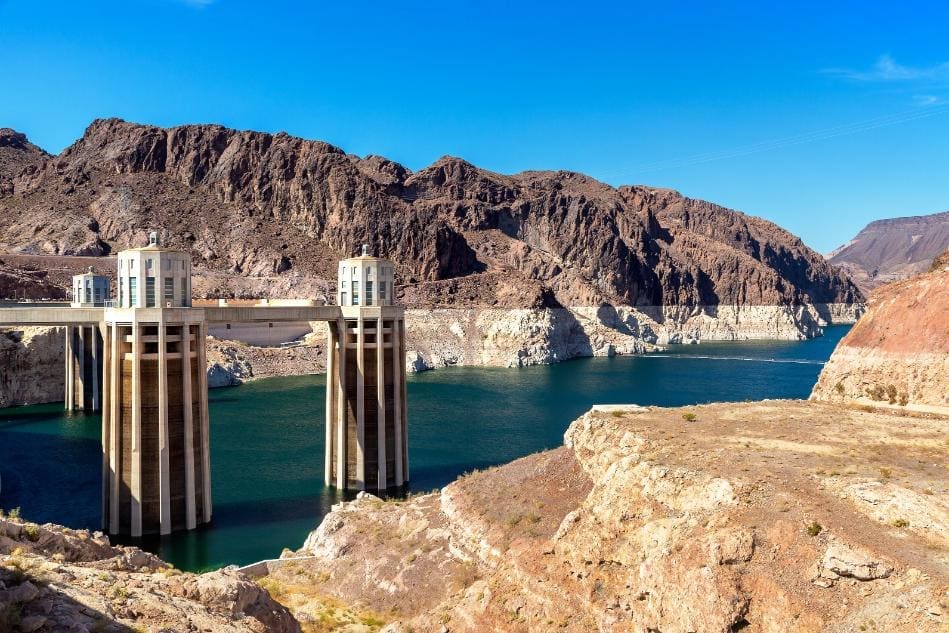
(891, 249)
(257, 205)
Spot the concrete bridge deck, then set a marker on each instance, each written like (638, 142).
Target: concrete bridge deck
(58, 316)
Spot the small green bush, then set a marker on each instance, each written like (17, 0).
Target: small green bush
(689, 417)
(814, 528)
(32, 532)
(900, 523)
(15, 513)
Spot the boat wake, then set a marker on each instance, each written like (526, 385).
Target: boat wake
(795, 361)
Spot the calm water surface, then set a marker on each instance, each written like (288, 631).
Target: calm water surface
(267, 436)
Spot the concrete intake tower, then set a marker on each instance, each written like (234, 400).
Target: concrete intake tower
(366, 435)
(156, 462)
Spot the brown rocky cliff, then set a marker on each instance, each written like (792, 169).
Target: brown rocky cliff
(16, 153)
(257, 205)
(897, 354)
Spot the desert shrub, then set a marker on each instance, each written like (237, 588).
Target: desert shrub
(891, 393)
(839, 388)
(32, 532)
(14, 513)
(904, 399)
(814, 528)
(900, 523)
(689, 417)
(877, 393)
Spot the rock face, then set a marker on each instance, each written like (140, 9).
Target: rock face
(898, 352)
(262, 206)
(888, 250)
(442, 337)
(16, 154)
(54, 579)
(771, 516)
(32, 366)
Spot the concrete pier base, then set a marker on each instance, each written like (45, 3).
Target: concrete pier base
(156, 457)
(366, 435)
(84, 349)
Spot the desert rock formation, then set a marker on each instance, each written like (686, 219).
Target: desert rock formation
(898, 352)
(55, 579)
(769, 516)
(889, 250)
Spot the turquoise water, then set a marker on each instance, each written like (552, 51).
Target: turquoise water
(267, 436)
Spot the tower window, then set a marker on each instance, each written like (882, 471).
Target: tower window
(149, 292)
(133, 291)
(169, 289)
(382, 290)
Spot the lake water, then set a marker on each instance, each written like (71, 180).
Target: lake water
(267, 436)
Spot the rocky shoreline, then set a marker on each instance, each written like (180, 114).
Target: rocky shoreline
(32, 358)
(766, 516)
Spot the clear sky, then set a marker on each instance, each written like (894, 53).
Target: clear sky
(820, 116)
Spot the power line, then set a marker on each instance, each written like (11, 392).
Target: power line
(780, 143)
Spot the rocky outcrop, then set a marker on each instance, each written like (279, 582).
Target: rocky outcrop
(16, 154)
(32, 366)
(898, 352)
(56, 579)
(717, 518)
(894, 249)
(517, 338)
(261, 206)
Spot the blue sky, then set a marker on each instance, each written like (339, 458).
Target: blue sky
(820, 116)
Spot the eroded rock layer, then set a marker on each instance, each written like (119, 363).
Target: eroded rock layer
(898, 352)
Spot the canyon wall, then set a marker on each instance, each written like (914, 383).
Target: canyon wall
(32, 366)
(898, 354)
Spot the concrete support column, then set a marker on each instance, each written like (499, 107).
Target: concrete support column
(331, 390)
(136, 474)
(404, 409)
(164, 466)
(382, 483)
(341, 418)
(96, 369)
(360, 401)
(69, 381)
(205, 421)
(190, 511)
(398, 363)
(106, 426)
(79, 386)
(114, 414)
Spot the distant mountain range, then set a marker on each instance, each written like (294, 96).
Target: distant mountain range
(275, 213)
(887, 250)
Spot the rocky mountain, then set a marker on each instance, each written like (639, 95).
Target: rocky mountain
(754, 517)
(898, 352)
(253, 208)
(887, 250)
(16, 154)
